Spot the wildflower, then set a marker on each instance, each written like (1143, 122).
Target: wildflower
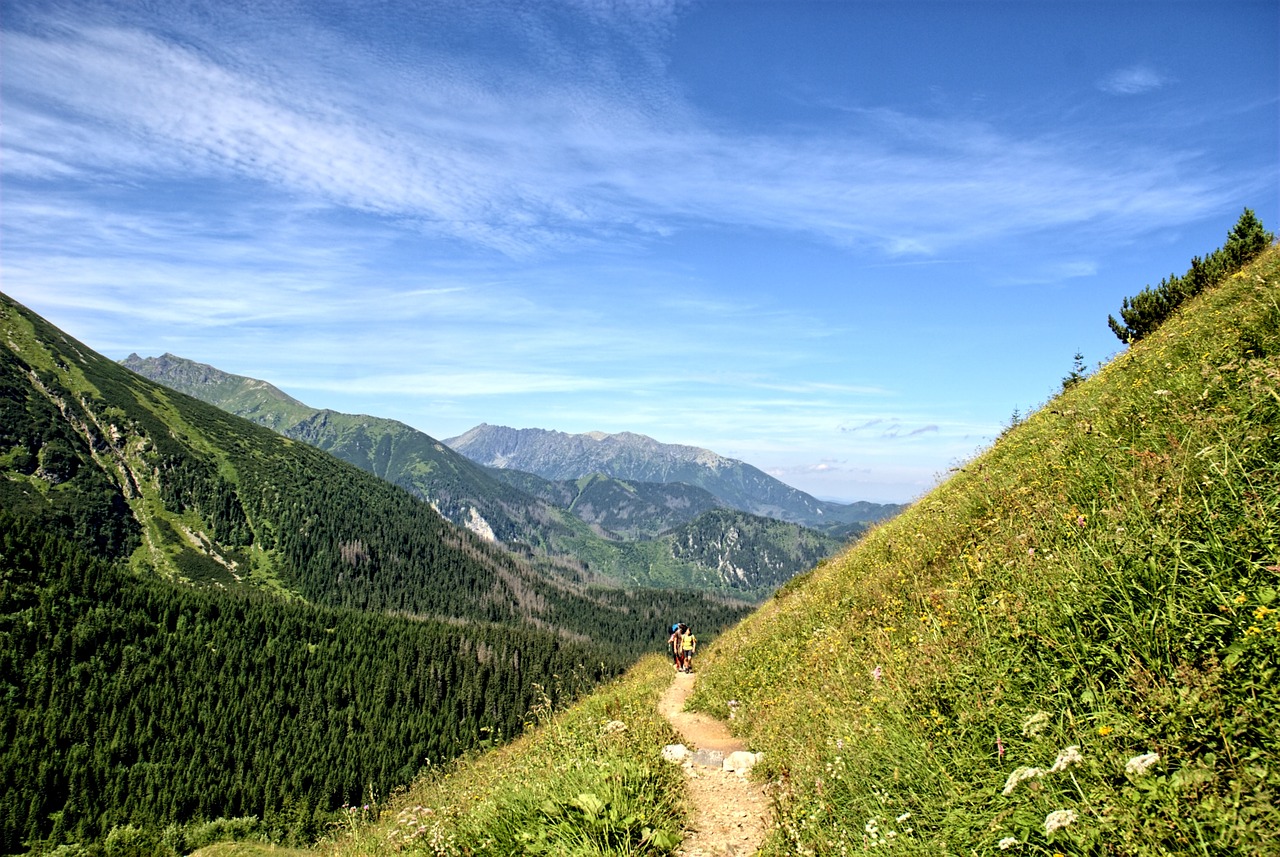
(1059, 819)
(999, 749)
(1019, 775)
(877, 673)
(1139, 765)
(1164, 392)
(1080, 520)
(614, 726)
(1068, 757)
(903, 817)
(1035, 724)
(1009, 842)
(1240, 599)
(1262, 612)
(1104, 731)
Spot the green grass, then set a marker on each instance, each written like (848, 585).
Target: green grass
(572, 785)
(250, 849)
(1098, 586)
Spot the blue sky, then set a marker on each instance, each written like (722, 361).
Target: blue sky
(840, 241)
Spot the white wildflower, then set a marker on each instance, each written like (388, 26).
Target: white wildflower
(1018, 776)
(1139, 765)
(1164, 392)
(1035, 724)
(1068, 757)
(903, 817)
(614, 726)
(1009, 842)
(1059, 819)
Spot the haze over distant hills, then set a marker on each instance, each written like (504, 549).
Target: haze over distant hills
(557, 455)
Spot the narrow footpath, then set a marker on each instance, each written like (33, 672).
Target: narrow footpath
(729, 815)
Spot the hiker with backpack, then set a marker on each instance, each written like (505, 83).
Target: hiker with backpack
(676, 644)
(688, 645)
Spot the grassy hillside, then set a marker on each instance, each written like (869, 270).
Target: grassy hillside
(1068, 648)
(1071, 646)
(586, 781)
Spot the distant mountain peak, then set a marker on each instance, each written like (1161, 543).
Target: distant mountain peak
(196, 379)
(635, 457)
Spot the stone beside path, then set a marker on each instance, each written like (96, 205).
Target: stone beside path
(729, 815)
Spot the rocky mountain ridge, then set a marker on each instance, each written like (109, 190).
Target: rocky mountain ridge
(558, 455)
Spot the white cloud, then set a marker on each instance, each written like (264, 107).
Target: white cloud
(1133, 80)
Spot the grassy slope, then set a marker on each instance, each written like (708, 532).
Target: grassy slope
(571, 786)
(1103, 578)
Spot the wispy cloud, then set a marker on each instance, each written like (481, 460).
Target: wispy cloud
(1133, 80)
(552, 157)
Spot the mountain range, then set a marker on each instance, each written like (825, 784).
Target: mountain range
(635, 457)
(609, 527)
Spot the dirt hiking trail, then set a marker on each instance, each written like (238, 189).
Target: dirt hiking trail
(729, 815)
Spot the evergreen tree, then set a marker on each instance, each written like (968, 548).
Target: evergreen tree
(1144, 312)
(1077, 372)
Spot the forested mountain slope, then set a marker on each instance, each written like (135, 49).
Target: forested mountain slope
(461, 491)
(131, 701)
(175, 580)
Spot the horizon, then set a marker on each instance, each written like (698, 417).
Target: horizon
(841, 242)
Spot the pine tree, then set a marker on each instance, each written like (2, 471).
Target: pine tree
(1145, 311)
(1246, 239)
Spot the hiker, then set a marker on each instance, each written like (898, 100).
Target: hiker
(689, 645)
(675, 644)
